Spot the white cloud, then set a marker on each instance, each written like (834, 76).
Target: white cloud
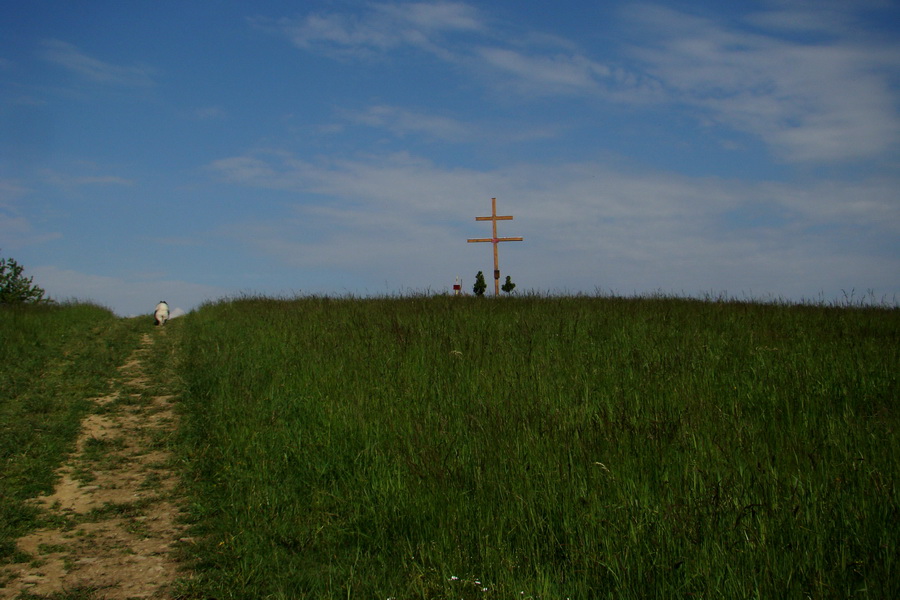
(67, 181)
(247, 170)
(801, 19)
(16, 230)
(827, 100)
(552, 72)
(418, 185)
(591, 223)
(385, 26)
(75, 60)
(552, 65)
(125, 297)
(549, 74)
(401, 121)
(10, 190)
(372, 183)
(827, 96)
(211, 113)
(435, 16)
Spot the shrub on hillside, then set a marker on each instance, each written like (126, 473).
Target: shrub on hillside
(15, 288)
(480, 285)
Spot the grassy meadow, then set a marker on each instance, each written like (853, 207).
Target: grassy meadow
(53, 359)
(540, 447)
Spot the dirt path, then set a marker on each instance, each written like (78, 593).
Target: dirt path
(115, 508)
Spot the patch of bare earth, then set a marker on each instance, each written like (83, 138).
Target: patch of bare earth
(115, 509)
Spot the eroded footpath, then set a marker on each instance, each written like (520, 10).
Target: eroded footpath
(114, 514)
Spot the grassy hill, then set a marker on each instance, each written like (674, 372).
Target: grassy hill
(546, 448)
(530, 447)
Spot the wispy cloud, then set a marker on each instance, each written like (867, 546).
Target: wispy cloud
(435, 16)
(251, 170)
(16, 230)
(383, 27)
(826, 96)
(564, 72)
(401, 121)
(825, 100)
(92, 69)
(130, 297)
(67, 181)
(10, 190)
(373, 184)
(211, 113)
(459, 34)
(634, 230)
(402, 181)
(548, 74)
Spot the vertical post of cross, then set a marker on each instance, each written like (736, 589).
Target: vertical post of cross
(495, 240)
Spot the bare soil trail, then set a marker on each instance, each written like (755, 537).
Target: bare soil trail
(115, 510)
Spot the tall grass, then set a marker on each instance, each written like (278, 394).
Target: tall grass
(434, 447)
(53, 358)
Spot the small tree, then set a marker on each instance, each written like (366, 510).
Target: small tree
(509, 286)
(15, 288)
(480, 286)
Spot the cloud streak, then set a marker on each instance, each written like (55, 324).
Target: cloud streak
(820, 101)
(401, 122)
(384, 27)
(65, 181)
(638, 231)
(16, 229)
(408, 123)
(129, 297)
(95, 70)
(553, 74)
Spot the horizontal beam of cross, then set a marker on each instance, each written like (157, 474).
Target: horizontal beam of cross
(495, 240)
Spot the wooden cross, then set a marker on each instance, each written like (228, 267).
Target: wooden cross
(494, 240)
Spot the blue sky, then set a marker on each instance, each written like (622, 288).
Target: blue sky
(190, 151)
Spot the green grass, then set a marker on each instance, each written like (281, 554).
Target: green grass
(53, 359)
(434, 447)
(529, 447)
